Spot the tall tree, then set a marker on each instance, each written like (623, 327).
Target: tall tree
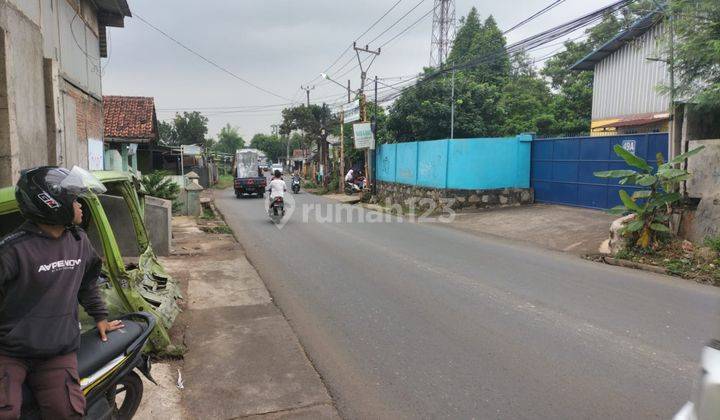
(191, 127)
(274, 146)
(697, 51)
(167, 133)
(524, 100)
(423, 111)
(572, 103)
(229, 140)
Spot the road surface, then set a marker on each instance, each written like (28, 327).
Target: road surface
(407, 320)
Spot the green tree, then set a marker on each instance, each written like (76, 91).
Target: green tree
(572, 103)
(191, 127)
(422, 112)
(311, 121)
(167, 133)
(229, 140)
(697, 51)
(524, 100)
(275, 147)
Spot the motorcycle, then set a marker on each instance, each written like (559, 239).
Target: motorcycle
(295, 185)
(107, 371)
(277, 209)
(351, 188)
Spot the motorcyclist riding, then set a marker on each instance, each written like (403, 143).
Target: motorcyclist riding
(276, 187)
(47, 266)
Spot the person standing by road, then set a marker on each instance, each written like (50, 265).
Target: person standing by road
(47, 267)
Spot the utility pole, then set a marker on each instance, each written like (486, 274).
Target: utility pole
(363, 102)
(452, 106)
(307, 90)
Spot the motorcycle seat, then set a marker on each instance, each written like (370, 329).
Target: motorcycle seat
(94, 353)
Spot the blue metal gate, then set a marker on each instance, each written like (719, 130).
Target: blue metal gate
(562, 168)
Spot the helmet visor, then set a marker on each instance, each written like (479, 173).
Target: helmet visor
(79, 182)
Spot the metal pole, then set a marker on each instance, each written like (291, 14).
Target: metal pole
(349, 91)
(452, 106)
(341, 184)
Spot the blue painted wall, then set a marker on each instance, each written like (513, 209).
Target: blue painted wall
(562, 168)
(483, 163)
(406, 163)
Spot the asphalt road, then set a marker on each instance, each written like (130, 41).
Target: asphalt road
(407, 320)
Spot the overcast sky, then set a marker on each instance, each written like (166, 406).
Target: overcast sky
(280, 45)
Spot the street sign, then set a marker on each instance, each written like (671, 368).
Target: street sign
(333, 139)
(351, 112)
(364, 138)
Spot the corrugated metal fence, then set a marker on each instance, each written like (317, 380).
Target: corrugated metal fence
(481, 163)
(563, 168)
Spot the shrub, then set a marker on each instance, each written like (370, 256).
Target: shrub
(157, 184)
(652, 205)
(713, 242)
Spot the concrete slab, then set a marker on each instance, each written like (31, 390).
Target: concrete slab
(562, 228)
(343, 198)
(320, 412)
(245, 360)
(222, 280)
(161, 401)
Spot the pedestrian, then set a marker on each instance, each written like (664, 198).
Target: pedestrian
(47, 266)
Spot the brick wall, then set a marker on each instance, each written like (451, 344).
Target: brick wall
(87, 124)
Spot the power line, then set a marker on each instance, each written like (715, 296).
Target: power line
(358, 38)
(530, 43)
(207, 60)
(535, 15)
(378, 21)
(408, 28)
(397, 21)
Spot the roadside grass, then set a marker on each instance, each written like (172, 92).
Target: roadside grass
(225, 230)
(678, 262)
(224, 181)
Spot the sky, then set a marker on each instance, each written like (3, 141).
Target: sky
(281, 45)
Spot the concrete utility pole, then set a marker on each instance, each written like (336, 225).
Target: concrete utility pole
(361, 94)
(307, 90)
(452, 106)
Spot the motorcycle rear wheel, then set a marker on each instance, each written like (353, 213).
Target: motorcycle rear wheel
(128, 391)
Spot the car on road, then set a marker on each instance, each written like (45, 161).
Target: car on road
(276, 167)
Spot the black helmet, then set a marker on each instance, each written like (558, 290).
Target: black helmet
(46, 194)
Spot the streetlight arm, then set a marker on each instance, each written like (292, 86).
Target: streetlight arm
(326, 77)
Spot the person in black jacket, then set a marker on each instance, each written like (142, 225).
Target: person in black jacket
(47, 267)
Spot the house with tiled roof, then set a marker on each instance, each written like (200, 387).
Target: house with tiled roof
(129, 121)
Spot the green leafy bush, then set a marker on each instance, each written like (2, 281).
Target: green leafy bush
(651, 206)
(157, 184)
(713, 242)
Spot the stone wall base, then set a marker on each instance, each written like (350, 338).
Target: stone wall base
(423, 198)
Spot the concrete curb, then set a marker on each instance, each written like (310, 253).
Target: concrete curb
(631, 264)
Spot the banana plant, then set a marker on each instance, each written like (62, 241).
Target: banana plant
(653, 204)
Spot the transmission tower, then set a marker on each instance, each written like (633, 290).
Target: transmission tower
(443, 31)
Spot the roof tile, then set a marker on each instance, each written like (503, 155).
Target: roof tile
(130, 117)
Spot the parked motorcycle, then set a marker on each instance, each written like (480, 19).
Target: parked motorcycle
(351, 188)
(295, 184)
(112, 388)
(277, 209)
